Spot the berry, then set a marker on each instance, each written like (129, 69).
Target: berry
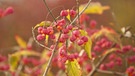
(64, 13)
(84, 38)
(4, 67)
(65, 31)
(73, 38)
(69, 27)
(50, 30)
(76, 33)
(88, 68)
(71, 57)
(110, 64)
(40, 29)
(52, 36)
(62, 53)
(40, 37)
(97, 48)
(126, 48)
(80, 42)
(102, 67)
(72, 13)
(93, 23)
(64, 36)
(131, 69)
(133, 49)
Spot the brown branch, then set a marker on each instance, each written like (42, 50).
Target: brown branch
(53, 52)
(110, 72)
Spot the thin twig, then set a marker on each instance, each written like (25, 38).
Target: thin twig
(19, 68)
(49, 10)
(81, 12)
(77, 1)
(110, 72)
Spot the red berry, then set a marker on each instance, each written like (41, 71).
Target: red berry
(64, 36)
(73, 38)
(4, 67)
(45, 31)
(52, 36)
(76, 33)
(134, 49)
(93, 23)
(88, 68)
(72, 13)
(102, 67)
(126, 48)
(69, 27)
(131, 69)
(110, 64)
(64, 13)
(65, 31)
(40, 29)
(80, 42)
(62, 53)
(84, 38)
(50, 30)
(97, 48)
(40, 37)
(71, 57)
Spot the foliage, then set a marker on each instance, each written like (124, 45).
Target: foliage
(73, 46)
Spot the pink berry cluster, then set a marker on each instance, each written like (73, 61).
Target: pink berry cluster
(101, 45)
(42, 32)
(115, 61)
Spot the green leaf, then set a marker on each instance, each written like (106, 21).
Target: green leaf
(13, 62)
(87, 47)
(73, 68)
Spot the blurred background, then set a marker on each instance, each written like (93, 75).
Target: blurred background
(27, 13)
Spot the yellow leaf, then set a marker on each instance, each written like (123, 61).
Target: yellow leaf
(73, 68)
(26, 53)
(20, 41)
(87, 47)
(13, 62)
(68, 16)
(94, 8)
(43, 23)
